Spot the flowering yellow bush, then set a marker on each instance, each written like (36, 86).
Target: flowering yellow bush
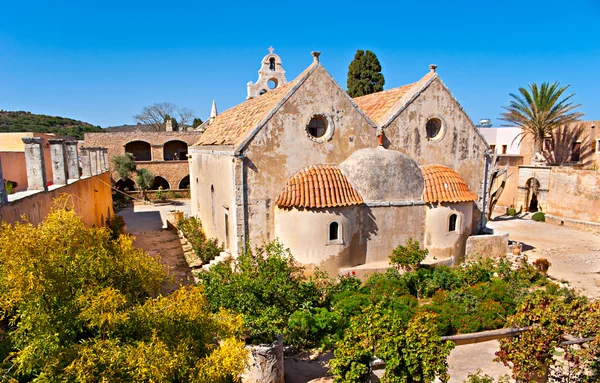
(76, 305)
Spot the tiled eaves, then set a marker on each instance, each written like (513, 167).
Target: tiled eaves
(318, 186)
(442, 184)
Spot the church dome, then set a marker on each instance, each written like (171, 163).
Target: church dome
(384, 175)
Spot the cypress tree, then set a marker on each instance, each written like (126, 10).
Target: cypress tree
(364, 74)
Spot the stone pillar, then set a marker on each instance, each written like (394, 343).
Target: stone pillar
(94, 161)
(3, 193)
(58, 156)
(100, 166)
(84, 156)
(34, 160)
(106, 158)
(72, 160)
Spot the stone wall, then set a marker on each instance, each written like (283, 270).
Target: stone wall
(172, 171)
(90, 197)
(487, 246)
(526, 173)
(574, 194)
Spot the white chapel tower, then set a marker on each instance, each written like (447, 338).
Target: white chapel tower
(270, 76)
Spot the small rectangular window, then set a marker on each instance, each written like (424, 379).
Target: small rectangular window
(493, 148)
(597, 146)
(452, 222)
(333, 231)
(504, 149)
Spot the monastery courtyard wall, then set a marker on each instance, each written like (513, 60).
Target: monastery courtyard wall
(154, 152)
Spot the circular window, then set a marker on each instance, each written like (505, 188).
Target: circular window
(433, 128)
(272, 83)
(317, 127)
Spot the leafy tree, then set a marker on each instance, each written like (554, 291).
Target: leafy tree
(364, 74)
(124, 165)
(410, 256)
(78, 306)
(539, 110)
(144, 180)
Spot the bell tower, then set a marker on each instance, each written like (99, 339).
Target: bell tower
(270, 76)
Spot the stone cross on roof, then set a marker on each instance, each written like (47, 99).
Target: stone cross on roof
(271, 49)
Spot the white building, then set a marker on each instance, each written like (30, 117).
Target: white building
(502, 140)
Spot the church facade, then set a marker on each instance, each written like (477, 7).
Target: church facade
(340, 181)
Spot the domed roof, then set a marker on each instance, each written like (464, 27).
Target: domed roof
(380, 174)
(443, 184)
(318, 186)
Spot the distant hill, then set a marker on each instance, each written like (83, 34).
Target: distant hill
(27, 122)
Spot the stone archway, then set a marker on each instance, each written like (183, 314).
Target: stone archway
(533, 193)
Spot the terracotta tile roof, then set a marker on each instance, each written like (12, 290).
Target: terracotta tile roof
(377, 105)
(318, 186)
(232, 126)
(443, 184)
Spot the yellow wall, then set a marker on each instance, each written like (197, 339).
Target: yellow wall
(14, 168)
(91, 198)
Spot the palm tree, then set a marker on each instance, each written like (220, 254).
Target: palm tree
(539, 110)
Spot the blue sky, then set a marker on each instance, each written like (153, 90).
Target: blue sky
(101, 62)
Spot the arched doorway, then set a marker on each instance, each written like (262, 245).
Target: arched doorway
(185, 183)
(533, 193)
(160, 182)
(140, 149)
(175, 151)
(127, 185)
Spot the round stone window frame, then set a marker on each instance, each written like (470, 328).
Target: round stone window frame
(328, 131)
(441, 133)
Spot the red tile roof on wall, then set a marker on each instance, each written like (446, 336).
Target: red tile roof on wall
(376, 105)
(443, 184)
(318, 186)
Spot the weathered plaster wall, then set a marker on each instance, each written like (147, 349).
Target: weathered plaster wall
(510, 195)
(283, 146)
(172, 171)
(442, 243)
(487, 246)
(216, 170)
(91, 198)
(574, 194)
(306, 233)
(460, 146)
(14, 168)
(386, 227)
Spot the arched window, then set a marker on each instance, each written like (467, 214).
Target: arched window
(184, 183)
(140, 149)
(160, 182)
(272, 63)
(334, 231)
(175, 151)
(212, 203)
(452, 222)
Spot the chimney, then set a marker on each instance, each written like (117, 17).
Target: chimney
(169, 125)
(380, 137)
(432, 68)
(315, 56)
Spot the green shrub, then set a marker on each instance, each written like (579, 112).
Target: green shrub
(540, 216)
(410, 256)
(311, 327)
(511, 212)
(266, 287)
(205, 249)
(10, 186)
(542, 265)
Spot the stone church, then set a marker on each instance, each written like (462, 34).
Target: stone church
(340, 181)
